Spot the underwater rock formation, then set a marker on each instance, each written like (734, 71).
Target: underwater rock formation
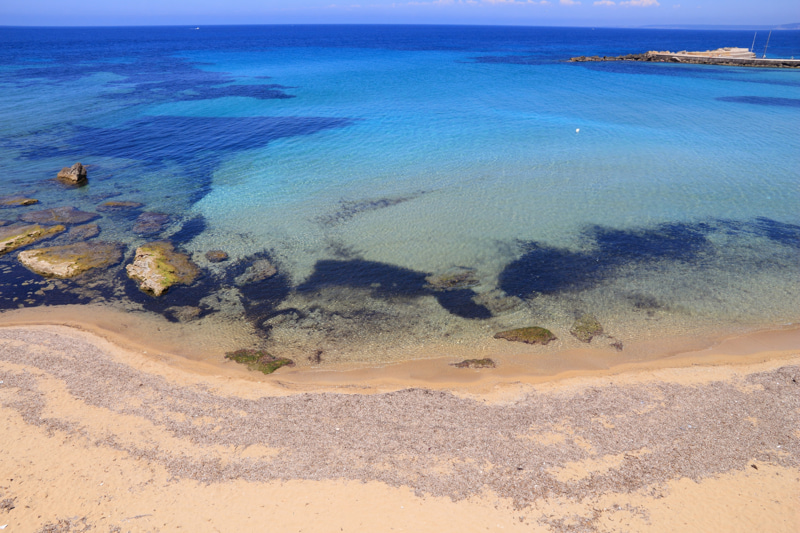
(532, 335)
(585, 328)
(259, 360)
(150, 223)
(13, 237)
(70, 260)
(260, 270)
(216, 256)
(83, 232)
(157, 267)
(76, 174)
(118, 205)
(17, 201)
(59, 215)
(453, 278)
(475, 363)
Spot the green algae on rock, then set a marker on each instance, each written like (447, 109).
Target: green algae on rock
(532, 335)
(259, 360)
(59, 215)
(475, 363)
(585, 328)
(17, 201)
(453, 278)
(16, 236)
(70, 260)
(157, 267)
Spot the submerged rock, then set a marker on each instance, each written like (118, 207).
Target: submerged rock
(17, 201)
(532, 335)
(157, 266)
(76, 174)
(184, 313)
(83, 233)
(498, 302)
(13, 237)
(59, 215)
(116, 205)
(475, 363)
(70, 260)
(216, 256)
(259, 360)
(453, 278)
(150, 223)
(585, 328)
(258, 271)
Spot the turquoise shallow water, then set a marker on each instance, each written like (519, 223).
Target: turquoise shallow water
(360, 160)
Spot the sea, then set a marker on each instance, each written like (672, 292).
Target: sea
(380, 189)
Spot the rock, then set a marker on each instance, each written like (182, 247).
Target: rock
(76, 174)
(150, 223)
(185, 313)
(532, 335)
(70, 260)
(475, 363)
(216, 256)
(157, 266)
(453, 278)
(83, 233)
(258, 271)
(499, 302)
(585, 328)
(113, 206)
(259, 360)
(59, 215)
(17, 201)
(17, 236)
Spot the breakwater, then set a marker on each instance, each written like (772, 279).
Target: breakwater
(691, 58)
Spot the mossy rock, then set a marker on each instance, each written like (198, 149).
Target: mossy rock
(216, 256)
(70, 260)
(453, 278)
(259, 360)
(16, 236)
(157, 267)
(17, 201)
(475, 363)
(59, 215)
(532, 335)
(585, 328)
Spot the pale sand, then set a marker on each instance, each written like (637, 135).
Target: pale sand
(98, 437)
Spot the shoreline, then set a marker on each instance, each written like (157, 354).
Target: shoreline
(147, 443)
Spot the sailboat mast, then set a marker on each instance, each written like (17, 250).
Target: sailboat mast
(765, 46)
(753, 46)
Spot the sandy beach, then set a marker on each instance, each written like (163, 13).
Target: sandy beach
(102, 437)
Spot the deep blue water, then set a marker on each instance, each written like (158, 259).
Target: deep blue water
(362, 159)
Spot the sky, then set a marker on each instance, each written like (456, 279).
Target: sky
(601, 13)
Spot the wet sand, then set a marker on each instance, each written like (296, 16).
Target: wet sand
(101, 434)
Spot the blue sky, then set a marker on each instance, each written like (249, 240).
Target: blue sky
(616, 13)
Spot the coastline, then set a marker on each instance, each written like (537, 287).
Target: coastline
(148, 443)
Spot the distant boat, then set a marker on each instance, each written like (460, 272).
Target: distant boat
(197, 28)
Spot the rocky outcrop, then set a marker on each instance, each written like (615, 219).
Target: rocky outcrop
(83, 233)
(17, 236)
(157, 267)
(70, 260)
(59, 215)
(453, 278)
(216, 256)
(17, 201)
(532, 335)
(150, 223)
(258, 271)
(585, 328)
(690, 57)
(74, 175)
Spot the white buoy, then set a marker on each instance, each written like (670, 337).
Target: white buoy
(577, 130)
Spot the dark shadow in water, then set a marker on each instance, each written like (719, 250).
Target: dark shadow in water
(761, 100)
(19, 287)
(260, 298)
(550, 270)
(190, 229)
(197, 144)
(390, 281)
